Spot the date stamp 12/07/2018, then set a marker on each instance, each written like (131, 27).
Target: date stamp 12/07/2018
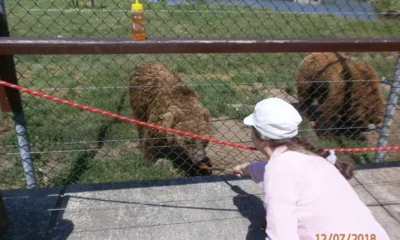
(343, 236)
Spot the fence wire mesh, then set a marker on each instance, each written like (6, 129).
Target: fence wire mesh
(73, 146)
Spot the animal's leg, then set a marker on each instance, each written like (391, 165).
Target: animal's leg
(142, 133)
(148, 146)
(305, 96)
(149, 152)
(139, 113)
(330, 118)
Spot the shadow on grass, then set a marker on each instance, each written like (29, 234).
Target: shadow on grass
(82, 162)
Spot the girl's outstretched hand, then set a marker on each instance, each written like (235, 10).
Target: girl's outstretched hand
(241, 170)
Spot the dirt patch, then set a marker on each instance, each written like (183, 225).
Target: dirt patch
(6, 163)
(6, 130)
(111, 150)
(226, 156)
(6, 124)
(394, 137)
(235, 131)
(392, 140)
(215, 75)
(190, 78)
(261, 89)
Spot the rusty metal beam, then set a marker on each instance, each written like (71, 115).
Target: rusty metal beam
(10, 99)
(75, 46)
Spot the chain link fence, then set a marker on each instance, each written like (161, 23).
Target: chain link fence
(74, 146)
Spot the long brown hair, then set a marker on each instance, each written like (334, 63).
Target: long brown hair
(345, 165)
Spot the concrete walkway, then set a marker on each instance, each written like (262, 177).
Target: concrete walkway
(219, 207)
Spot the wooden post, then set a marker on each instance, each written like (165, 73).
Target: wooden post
(4, 223)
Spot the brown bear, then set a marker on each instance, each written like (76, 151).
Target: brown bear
(349, 94)
(159, 96)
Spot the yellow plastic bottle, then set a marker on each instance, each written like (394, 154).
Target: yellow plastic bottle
(137, 15)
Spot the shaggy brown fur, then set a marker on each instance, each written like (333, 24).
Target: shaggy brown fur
(349, 94)
(158, 96)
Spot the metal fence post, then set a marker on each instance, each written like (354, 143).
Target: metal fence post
(390, 109)
(10, 101)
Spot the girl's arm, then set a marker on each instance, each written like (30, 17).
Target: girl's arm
(256, 171)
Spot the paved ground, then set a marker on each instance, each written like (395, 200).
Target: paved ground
(220, 207)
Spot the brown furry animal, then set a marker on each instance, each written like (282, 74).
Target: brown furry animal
(158, 96)
(349, 94)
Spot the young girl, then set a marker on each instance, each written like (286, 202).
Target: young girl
(306, 194)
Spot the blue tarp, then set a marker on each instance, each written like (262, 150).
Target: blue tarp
(354, 10)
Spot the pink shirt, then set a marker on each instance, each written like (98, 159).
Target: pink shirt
(306, 195)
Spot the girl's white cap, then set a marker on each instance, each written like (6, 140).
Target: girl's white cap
(274, 118)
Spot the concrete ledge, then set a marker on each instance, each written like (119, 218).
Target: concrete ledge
(28, 212)
(214, 207)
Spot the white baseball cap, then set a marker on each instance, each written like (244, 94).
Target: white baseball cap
(274, 118)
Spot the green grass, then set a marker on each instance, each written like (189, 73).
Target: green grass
(63, 136)
(106, 168)
(239, 22)
(388, 5)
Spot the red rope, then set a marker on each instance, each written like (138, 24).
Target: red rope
(179, 132)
